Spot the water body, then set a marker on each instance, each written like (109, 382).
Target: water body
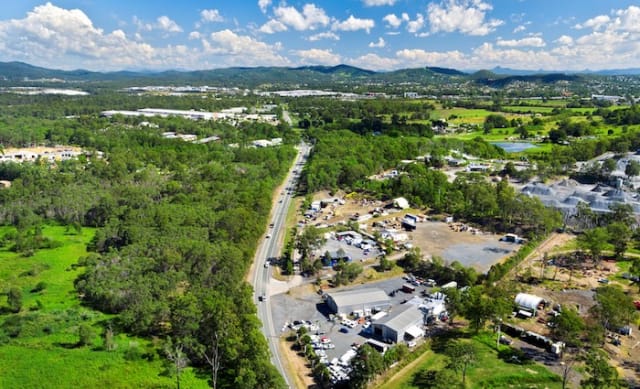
(514, 147)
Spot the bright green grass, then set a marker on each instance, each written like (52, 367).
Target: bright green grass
(51, 266)
(56, 367)
(464, 115)
(488, 372)
(45, 353)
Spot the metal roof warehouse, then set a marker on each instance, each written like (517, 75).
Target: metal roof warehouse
(366, 299)
(407, 320)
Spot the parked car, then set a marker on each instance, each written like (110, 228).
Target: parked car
(344, 330)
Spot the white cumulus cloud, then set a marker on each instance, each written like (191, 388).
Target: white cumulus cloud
(354, 24)
(318, 56)
(324, 35)
(379, 44)
(416, 25)
(564, 40)
(519, 28)
(210, 16)
(272, 26)
(532, 41)
(465, 16)
(378, 3)
(595, 23)
(420, 57)
(164, 23)
(395, 21)
(310, 18)
(242, 50)
(67, 39)
(263, 4)
(374, 62)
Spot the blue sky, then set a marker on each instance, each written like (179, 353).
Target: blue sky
(373, 34)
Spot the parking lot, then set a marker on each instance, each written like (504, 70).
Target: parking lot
(305, 305)
(332, 245)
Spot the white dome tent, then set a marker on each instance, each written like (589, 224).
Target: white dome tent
(529, 303)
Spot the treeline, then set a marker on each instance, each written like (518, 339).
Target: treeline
(471, 197)
(343, 159)
(327, 111)
(178, 226)
(621, 117)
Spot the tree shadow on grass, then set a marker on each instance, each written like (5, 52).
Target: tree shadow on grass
(440, 342)
(68, 345)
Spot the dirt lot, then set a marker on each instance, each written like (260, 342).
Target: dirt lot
(455, 242)
(450, 241)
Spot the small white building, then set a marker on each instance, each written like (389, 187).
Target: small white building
(401, 203)
(528, 303)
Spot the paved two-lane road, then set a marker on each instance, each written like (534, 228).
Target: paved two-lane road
(271, 247)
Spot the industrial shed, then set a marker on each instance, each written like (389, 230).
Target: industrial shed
(404, 323)
(529, 303)
(360, 300)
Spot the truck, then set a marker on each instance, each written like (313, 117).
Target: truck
(408, 288)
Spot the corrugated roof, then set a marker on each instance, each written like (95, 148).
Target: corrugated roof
(528, 300)
(360, 296)
(402, 318)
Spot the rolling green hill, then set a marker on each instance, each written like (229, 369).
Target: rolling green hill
(274, 77)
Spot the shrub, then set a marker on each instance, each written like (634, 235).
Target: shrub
(40, 286)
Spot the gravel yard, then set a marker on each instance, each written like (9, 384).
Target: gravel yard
(469, 247)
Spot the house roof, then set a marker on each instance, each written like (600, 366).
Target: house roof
(367, 296)
(404, 317)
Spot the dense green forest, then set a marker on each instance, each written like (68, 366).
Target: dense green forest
(177, 225)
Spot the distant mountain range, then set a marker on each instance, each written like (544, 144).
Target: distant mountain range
(298, 77)
(608, 72)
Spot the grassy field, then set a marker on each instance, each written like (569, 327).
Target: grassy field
(465, 115)
(39, 346)
(488, 372)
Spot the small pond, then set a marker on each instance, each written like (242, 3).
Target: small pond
(514, 147)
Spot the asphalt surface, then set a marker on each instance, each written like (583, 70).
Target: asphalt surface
(357, 254)
(311, 307)
(271, 247)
